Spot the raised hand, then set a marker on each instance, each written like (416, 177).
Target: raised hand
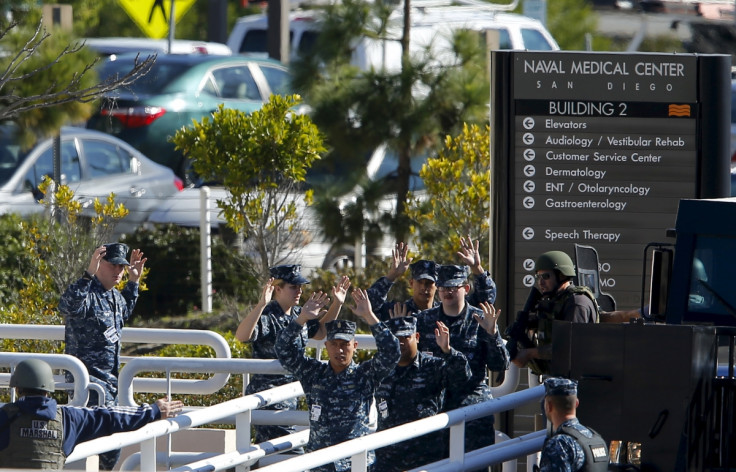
(312, 309)
(399, 310)
(362, 307)
(267, 292)
(399, 261)
(442, 337)
(489, 320)
(94, 262)
(137, 262)
(470, 255)
(340, 290)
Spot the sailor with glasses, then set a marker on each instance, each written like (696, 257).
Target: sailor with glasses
(473, 332)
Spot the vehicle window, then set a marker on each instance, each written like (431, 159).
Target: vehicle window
(10, 157)
(105, 159)
(157, 79)
(255, 41)
(278, 79)
(236, 82)
(504, 39)
(209, 85)
(307, 42)
(534, 40)
(44, 166)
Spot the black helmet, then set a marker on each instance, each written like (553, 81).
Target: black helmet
(33, 374)
(556, 260)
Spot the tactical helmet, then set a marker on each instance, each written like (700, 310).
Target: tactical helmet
(556, 260)
(33, 374)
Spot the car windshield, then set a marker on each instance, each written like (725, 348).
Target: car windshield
(11, 154)
(160, 75)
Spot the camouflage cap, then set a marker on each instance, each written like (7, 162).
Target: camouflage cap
(452, 275)
(424, 269)
(340, 329)
(290, 274)
(557, 386)
(116, 253)
(404, 326)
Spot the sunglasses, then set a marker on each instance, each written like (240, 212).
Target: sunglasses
(543, 276)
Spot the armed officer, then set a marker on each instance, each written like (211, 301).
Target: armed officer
(570, 446)
(556, 299)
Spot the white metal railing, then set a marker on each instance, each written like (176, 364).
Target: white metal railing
(146, 435)
(221, 367)
(56, 361)
(143, 335)
(357, 449)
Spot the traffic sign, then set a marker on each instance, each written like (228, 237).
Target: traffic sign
(152, 16)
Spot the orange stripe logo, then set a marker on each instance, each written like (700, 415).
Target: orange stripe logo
(679, 110)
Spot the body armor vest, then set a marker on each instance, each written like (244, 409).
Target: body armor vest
(35, 442)
(595, 449)
(547, 311)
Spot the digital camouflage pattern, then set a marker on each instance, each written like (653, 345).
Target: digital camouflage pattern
(263, 343)
(413, 392)
(482, 351)
(484, 290)
(561, 452)
(338, 404)
(94, 319)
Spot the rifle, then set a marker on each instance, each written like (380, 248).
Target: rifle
(516, 333)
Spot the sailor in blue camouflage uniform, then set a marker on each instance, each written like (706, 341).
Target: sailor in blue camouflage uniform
(474, 332)
(423, 280)
(267, 319)
(414, 390)
(339, 392)
(570, 446)
(94, 313)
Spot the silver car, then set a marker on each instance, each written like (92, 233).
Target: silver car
(93, 164)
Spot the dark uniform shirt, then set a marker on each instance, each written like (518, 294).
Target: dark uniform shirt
(561, 452)
(484, 290)
(94, 320)
(413, 392)
(338, 403)
(263, 342)
(482, 351)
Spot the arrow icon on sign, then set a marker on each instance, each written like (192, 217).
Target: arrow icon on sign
(528, 203)
(529, 123)
(529, 154)
(529, 170)
(529, 186)
(529, 264)
(528, 138)
(528, 280)
(527, 233)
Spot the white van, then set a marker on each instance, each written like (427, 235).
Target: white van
(432, 28)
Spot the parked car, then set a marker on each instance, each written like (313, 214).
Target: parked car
(117, 45)
(177, 90)
(93, 164)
